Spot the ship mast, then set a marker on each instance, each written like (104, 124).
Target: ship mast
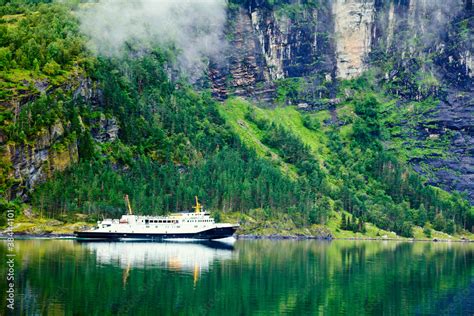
(198, 207)
(127, 203)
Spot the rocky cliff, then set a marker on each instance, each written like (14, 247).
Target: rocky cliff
(429, 48)
(53, 148)
(32, 163)
(418, 49)
(268, 45)
(339, 40)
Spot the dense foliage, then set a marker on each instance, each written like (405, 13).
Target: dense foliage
(40, 47)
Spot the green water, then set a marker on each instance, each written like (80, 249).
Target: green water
(65, 277)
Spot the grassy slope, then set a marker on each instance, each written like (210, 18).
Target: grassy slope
(234, 111)
(40, 226)
(414, 114)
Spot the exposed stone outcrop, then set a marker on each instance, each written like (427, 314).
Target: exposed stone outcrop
(87, 90)
(353, 22)
(267, 46)
(453, 116)
(104, 129)
(244, 67)
(318, 43)
(33, 163)
(430, 46)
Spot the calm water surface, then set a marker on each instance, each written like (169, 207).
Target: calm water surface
(65, 277)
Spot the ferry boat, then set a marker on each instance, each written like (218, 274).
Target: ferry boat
(193, 225)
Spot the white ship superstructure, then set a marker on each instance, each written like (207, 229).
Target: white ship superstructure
(198, 224)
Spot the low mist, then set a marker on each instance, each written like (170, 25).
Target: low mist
(194, 28)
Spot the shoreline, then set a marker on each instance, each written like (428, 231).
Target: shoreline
(66, 236)
(282, 237)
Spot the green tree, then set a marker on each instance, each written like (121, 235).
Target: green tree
(439, 222)
(407, 229)
(51, 68)
(422, 215)
(427, 230)
(450, 226)
(343, 221)
(86, 146)
(5, 58)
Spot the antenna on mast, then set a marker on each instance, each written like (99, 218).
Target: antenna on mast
(127, 204)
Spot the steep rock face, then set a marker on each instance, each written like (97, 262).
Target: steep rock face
(267, 46)
(240, 73)
(337, 39)
(50, 150)
(353, 22)
(318, 43)
(32, 164)
(104, 129)
(428, 45)
(453, 116)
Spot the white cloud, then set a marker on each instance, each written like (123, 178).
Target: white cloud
(193, 27)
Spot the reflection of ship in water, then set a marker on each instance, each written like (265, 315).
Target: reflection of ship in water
(191, 257)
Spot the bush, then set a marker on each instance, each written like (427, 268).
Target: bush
(5, 58)
(450, 227)
(439, 222)
(52, 68)
(217, 216)
(407, 229)
(311, 123)
(427, 230)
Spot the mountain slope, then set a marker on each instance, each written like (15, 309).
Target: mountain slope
(416, 50)
(129, 124)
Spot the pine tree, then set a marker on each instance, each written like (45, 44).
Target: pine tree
(343, 221)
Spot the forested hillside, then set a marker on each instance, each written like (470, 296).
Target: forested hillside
(78, 130)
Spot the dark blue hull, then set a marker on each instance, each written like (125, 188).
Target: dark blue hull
(214, 233)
